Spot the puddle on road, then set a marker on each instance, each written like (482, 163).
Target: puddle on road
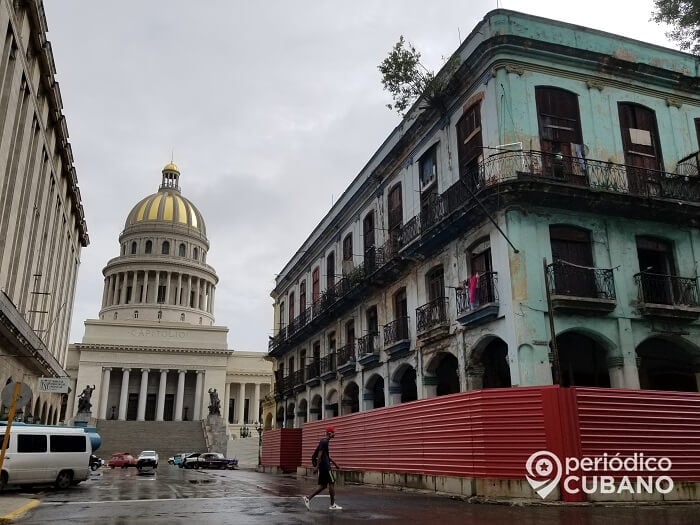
(200, 481)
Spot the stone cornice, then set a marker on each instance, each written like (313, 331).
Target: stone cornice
(152, 349)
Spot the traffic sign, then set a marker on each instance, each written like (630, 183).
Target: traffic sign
(24, 397)
(53, 384)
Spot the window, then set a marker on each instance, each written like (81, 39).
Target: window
(123, 245)
(640, 139)
(350, 332)
(182, 317)
(161, 294)
(165, 249)
(283, 311)
(115, 315)
(182, 251)
(291, 307)
(395, 212)
(195, 254)
(68, 443)
(160, 314)
(469, 144)
(128, 295)
(31, 443)
(315, 285)
(400, 304)
(133, 248)
(572, 254)
(559, 120)
(347, 254)
(330, 271)
(331, 343)
(697, 130)
(372, 320)
(302, 296)
(149, 246)
(368, 231)
(435, 284)
(136, 314)
(427, 168)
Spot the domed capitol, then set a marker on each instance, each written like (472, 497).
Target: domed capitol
(155, 352)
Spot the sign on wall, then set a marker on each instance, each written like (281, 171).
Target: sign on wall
(53, 384)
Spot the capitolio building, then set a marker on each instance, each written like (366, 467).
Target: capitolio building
(155, 352)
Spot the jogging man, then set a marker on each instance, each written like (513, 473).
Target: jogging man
(325, 474)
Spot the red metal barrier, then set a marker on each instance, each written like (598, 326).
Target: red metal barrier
(281, 448)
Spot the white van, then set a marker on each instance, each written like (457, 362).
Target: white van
(39, 454)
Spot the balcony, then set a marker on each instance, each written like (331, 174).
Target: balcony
(346, 359)
(432, 322)
(313, 373)
(480, 305)
(397, 340)
(667, 296)
(368, 350)
(297, 380)
(328, 368)
(689, 166)
(580, 289)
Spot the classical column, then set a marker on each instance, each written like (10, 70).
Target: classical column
(105, 292)
(124, 396)
(241, 403)
(133, 287)
(211, 306)
(197, 412)
(156, 284)
(180, 394)
(104, 393)
(189, 291)
(167, 288)
(115, 294)
(144, 287)
(160, 406)
(141, 414)
(225, 401)
(122, 296)
(256, 403)
(178, 292)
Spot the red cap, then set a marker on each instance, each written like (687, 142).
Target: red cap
(330, 428)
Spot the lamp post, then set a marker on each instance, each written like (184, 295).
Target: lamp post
(259, 428)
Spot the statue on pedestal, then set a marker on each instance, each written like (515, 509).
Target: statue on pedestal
(84, 404)
(214, 403)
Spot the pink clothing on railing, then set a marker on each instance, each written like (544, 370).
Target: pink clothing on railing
(473, 286)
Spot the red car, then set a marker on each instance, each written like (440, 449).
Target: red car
(121, 459)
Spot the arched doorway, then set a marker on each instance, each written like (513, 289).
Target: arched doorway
(351, 399)
(582, 361)
(496, 368)
(405, 377)
(445, 370)
(302, 412)
(289, 416)
(316, 408)
(375, 392)
(280, 417)
(268, 421)
(666, 365)
(332, 408)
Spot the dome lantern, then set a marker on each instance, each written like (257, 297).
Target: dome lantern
(171, 177)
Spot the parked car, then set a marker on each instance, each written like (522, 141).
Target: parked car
(147, 459)
(95, 462)
(210, 460)
(122, 460)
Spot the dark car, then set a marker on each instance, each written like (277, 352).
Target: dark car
(148, 459)
(95, 462)
(213, 460)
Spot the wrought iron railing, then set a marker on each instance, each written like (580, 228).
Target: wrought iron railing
(368, 344)
(564, 278)
(580, 171)
(431, 315)
(328, 364)
(655, 288)
(313, 370)
(396, 330)
(485, 292)
(410, 230)
(689, 166)
(297, 378)
(346, 354)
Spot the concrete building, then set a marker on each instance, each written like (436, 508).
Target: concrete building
(42, 224)
(155, 352)
(536, 222)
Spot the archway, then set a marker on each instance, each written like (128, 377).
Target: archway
(374, 392)
(667, 365)
(302, 411)
(351, 399)
(280, 417)
(444, 367)
(494, 358)
(289, 416)
(316, 408)
(405, 378)
(582, 361)
(268, 421)
(332, 408)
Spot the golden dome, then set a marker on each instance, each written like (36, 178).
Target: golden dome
(171, 166)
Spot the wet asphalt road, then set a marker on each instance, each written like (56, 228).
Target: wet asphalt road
(177, 496)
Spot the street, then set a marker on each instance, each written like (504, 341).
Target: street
(178, 496)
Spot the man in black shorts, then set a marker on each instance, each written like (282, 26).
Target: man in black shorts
(325, 474)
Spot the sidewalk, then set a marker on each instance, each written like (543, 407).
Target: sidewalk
(12, 506)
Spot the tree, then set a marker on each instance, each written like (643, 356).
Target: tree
(407, 79)
(684, 17)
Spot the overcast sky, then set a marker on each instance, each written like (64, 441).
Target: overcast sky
(271, 108)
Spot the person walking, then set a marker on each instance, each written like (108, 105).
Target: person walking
(326, 478)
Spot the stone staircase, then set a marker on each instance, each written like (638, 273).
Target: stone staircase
(246, 450)
(165, 437)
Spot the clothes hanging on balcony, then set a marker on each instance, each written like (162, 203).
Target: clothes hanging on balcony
(473, 288)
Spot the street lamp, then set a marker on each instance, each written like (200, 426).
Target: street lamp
(259, 428)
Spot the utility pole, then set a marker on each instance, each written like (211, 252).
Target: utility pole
(556, 373)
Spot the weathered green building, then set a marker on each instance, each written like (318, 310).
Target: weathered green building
(553, 189)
